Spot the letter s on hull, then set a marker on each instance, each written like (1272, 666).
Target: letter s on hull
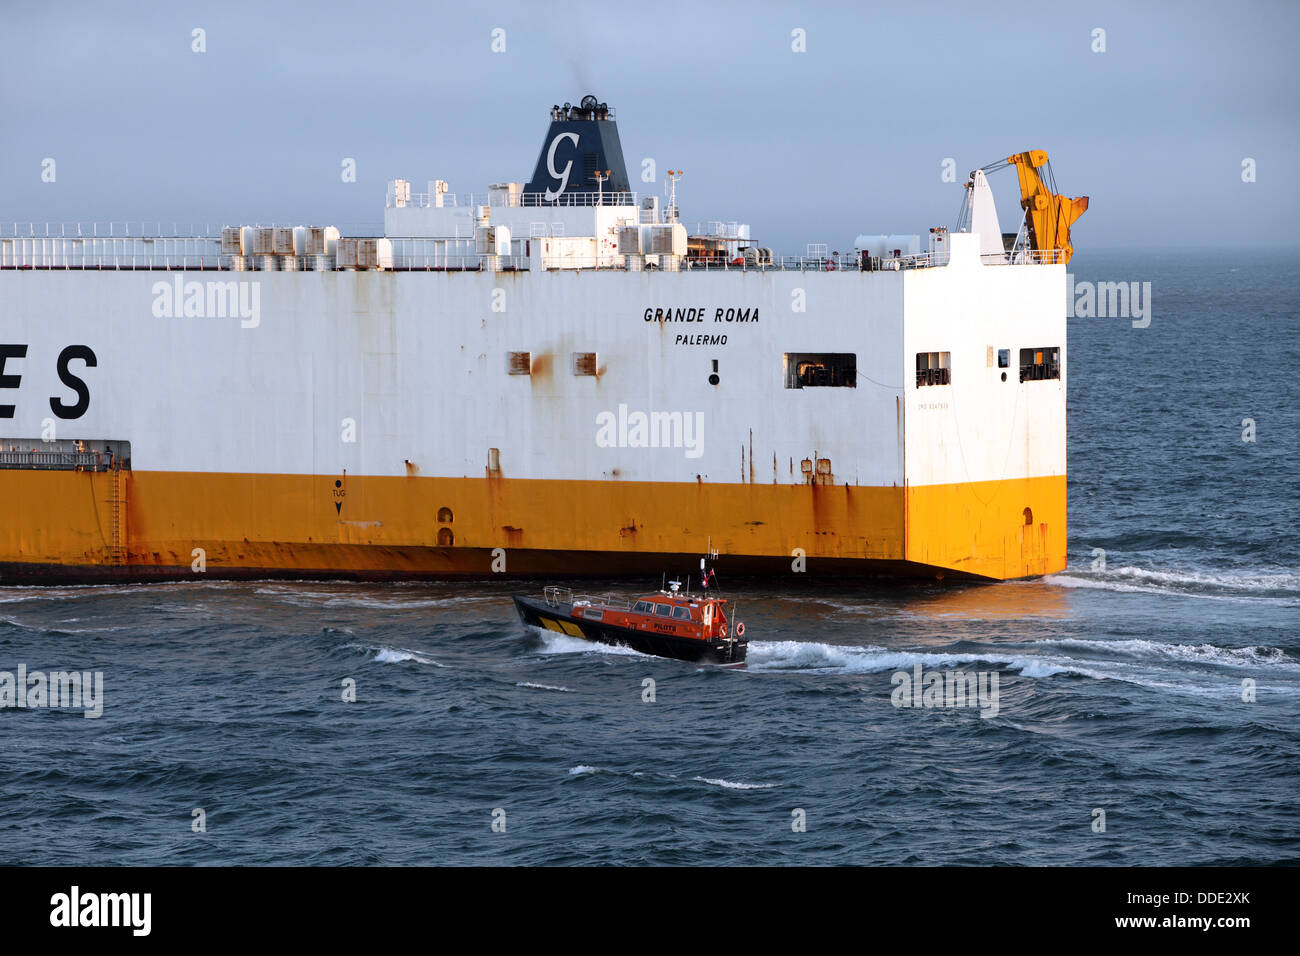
(57, 405)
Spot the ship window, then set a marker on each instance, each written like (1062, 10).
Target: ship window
(1039, 364)
(933, 368)
(584, 363)
(663, 610)
(445, 538)
(1004, 358)
(444, 515)
(682, 613)
(519, 363)
(821, 369)
(643, 607)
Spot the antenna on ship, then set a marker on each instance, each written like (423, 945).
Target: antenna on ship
(673, 176)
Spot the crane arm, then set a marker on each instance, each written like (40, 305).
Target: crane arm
(1050, 213)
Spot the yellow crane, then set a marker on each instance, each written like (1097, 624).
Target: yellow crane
(1049, 213)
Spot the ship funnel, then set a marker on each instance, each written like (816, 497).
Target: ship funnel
(581, 143)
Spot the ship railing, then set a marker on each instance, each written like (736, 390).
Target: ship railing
(557, 596)
(474, 263)
(827, 263)
(606, 197)
(57, 461)
(716, 229)
(116, 229)
(1038, 257)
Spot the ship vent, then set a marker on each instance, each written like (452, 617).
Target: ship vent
(519, 363)
(584, 363)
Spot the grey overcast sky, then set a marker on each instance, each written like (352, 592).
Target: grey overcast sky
(817, 146)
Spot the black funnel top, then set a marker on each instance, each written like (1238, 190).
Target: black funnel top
(582, 141)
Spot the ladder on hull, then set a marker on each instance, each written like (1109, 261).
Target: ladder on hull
(117, 516)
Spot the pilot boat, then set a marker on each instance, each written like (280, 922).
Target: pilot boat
(668, 623)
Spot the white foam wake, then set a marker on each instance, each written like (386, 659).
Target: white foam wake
(554, 643)
(393, 655)
(1252, 656)
(1256, 583)
(731, 785)
(1161, 671)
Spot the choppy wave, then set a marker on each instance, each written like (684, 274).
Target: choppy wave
(532, 686)
(1158, 666)
(1257, 583)
(732, 785)
(369, 601)
(1252, 656)
(384, 654)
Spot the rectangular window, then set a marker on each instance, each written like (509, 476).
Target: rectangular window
(1004, 358)
(821, 370)
(933, 368)
(663, 610)
(584, 363)
(1039, 364)
(681, 614)
(643, 607)
(519, 363)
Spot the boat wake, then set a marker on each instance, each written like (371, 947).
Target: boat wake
(553, 643)
(1275, 585)
(1184, 668)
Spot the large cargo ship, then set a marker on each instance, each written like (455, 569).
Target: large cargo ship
(553, 377)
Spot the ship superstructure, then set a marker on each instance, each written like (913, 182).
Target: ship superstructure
(551, 377)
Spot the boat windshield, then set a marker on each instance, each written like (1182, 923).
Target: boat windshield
(643, 607)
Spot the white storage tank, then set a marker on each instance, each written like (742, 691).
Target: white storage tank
(884, 247)
(314, 240)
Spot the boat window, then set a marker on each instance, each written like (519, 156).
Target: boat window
(643, 607)
(933, 368)
(821, 369)
(1039, 364)
(682, 613)
(663, 610)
